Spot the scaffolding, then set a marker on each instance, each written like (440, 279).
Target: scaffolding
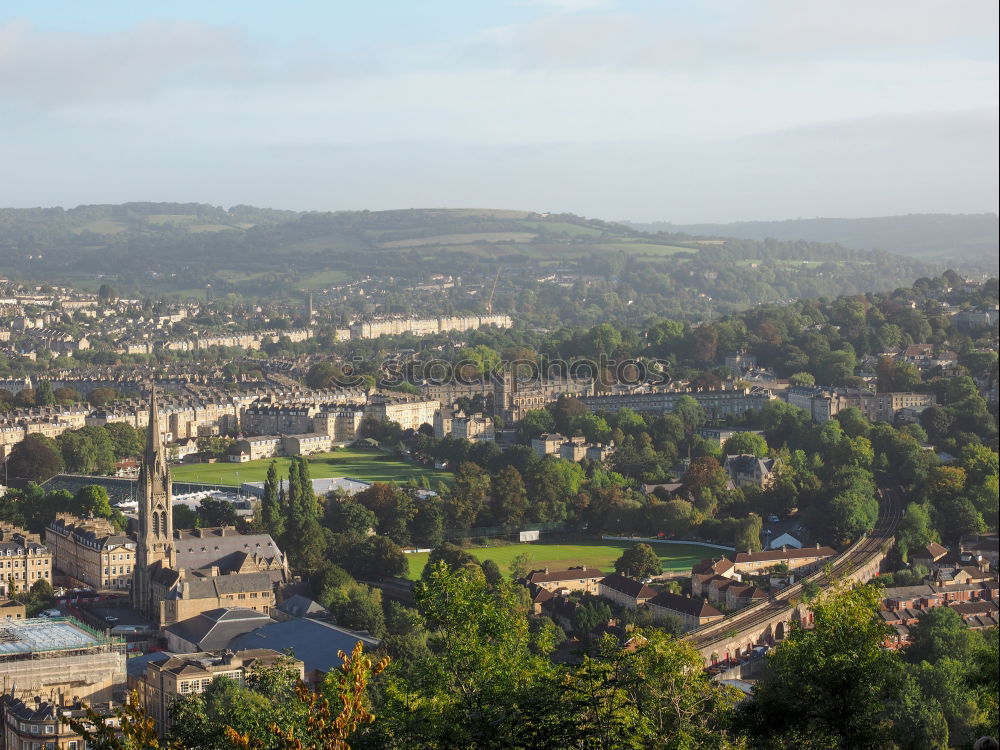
(39, 635)
(50, 656)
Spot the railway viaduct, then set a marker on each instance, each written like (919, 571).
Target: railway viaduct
(767, 623)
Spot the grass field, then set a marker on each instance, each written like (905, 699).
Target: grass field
(602, 555)
(321, 279)
(367, 465)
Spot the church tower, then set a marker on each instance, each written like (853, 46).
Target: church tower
(155, 548)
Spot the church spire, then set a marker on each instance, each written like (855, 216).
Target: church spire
(154, 546)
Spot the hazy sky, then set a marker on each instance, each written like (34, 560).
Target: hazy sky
(676, 111)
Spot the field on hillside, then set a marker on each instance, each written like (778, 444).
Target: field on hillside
(366, 465)
(675, 557)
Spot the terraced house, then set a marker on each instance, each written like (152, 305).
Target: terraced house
(91, 551)
(23, 560)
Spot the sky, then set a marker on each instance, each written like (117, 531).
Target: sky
(717, 110)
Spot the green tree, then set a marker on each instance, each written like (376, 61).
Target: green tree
(272, 515)
(350, 517)
(185, 517)
(213, 512)
(36, 458)
(467, 498)
(451, 556)
(509, 498)
(92, 500)
(44, 396)
(639, 561)
(939, 633)
(828, 685)
(745, 443)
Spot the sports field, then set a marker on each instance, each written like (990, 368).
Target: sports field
(369, 465)
(599, 554)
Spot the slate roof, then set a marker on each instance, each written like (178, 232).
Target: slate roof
(302, 606)
(684, 605)
(786, 554)
(712, 565)
(216, 628)
(316, 643)
(572, 574)
(628, 586)
(221, 547)
(215, 586)
(934, 551)
(980, 606)
(136, 665)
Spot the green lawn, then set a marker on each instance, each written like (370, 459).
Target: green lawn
(676, 557)
(366, 465)
(321, 279)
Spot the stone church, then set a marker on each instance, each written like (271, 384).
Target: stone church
(179, 575)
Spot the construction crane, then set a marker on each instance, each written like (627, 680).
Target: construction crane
(489, 304)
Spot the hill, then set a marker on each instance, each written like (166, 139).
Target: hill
(196, 249)
(971, 240)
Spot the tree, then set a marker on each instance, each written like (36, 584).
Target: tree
(705, 474)
(939, 633)
(475, 684)
(324, 375)
(589, 615)
(451, 556)
(383, 559)
(509, 498)
(745, 443)
(691, 414)
(125, 439)
(801, 378)
(37, 458)
(346, 516)
(101, 397)
(534, 422)
(427, 525)
(853, 423)
(213, 512)
(92, 500)
(565, 411)
(467, 498)
(358, 607)
(44, 396)
(828, 685)
(639, 561)
(271, 512)
(491, 571)
(915, 529)
(680, 705)
(185, 517)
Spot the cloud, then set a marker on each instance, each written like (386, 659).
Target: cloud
(724, 33)
(568, 6)
(49, 67)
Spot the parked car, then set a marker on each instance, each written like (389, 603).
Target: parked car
(773, 518)
(51, 613)
(110, 619)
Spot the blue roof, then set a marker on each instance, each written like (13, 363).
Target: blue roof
(315, 643)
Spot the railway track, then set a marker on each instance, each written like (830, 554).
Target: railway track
(855, 556)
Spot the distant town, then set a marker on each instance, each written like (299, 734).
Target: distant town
(194, 490)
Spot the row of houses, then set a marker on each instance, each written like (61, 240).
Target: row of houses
(396, 326)
(573, 449)
(548, 590)
(824, 403)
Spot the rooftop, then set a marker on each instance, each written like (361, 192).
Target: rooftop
(42, 634)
